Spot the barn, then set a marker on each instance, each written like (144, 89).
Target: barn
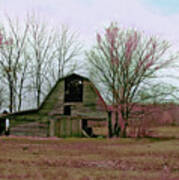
(66, 111)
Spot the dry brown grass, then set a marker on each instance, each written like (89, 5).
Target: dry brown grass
(90, 159)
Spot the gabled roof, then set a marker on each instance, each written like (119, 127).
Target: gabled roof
(60, 79)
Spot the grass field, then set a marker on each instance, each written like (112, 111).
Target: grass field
(91, 159)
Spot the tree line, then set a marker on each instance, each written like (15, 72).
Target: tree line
(127, 63)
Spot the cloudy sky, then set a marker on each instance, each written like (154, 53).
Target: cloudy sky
(87, 17)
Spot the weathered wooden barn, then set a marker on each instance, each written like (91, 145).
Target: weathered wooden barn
(66, 111)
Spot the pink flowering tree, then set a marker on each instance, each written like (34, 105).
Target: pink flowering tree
(126, 62)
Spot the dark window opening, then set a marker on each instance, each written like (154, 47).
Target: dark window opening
(84, 124)
(67, 110)
(73, 89)
(87, 129)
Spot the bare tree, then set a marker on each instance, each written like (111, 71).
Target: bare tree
(1, 97)
(12, 55)
(126, 62)
(23, 77)
(67, 49)
(41, 49)
(1, 76)
(33, 56)
(52, 55)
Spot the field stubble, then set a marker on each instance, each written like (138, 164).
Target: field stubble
(91, 159)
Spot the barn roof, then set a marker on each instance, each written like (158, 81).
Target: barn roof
(51, 91)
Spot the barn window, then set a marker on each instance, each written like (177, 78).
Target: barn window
(73, 89)
(67, 110)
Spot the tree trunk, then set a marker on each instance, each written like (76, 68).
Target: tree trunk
(110, 133)
(124, 130)
(116, 126)
(10, 97)
(38, 97)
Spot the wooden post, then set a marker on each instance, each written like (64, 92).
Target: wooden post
(52, 128)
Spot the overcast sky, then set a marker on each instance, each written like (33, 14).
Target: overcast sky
(87, 17)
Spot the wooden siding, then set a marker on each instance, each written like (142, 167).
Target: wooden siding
(31, 129)
(54, 103)
(68, 127)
